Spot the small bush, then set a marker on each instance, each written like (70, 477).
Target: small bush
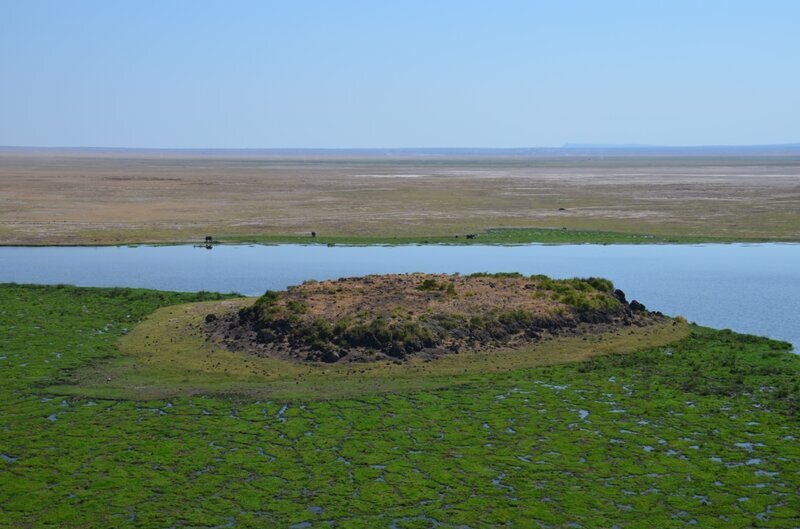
(429, 285)
(296, 307)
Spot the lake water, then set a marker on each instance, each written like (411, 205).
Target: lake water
(751, 288)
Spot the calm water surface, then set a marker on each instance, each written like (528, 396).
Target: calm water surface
(749, 288)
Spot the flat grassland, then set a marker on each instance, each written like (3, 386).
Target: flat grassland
(698, 428)
(83, 197)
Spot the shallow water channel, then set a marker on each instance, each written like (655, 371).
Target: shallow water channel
(752, 288)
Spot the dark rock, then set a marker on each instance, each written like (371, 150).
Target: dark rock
(480, 336)
(637, 307)
(620, 295)
(211, 318)
(245, 315)
(533, 334)
(396, 351)
(414, 346)
(265, 336)
(330, 356)
(460, 334)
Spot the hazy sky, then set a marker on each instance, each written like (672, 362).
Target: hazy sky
(404, 73)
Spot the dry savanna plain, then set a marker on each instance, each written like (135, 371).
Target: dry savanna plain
(113, 197)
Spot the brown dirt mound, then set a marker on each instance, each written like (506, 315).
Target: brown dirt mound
(396, 317)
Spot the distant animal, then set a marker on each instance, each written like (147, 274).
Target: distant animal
(562, 209)
(313, 234)
(471, 235)
(209, 239)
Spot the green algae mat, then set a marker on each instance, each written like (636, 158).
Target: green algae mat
(699, 430)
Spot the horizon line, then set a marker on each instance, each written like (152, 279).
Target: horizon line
(565, 146)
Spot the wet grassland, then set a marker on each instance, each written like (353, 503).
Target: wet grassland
(105, 421)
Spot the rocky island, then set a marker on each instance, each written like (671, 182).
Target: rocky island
(396, 317)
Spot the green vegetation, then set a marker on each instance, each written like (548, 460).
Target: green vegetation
(584, 295)
(508, 236)
(701, 431)
(493, 236)
(430, 285)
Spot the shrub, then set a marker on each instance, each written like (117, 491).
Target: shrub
(496, 274)
(296, 307)
(600, 284)
(429, 285)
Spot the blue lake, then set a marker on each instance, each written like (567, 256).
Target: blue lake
(751, 288)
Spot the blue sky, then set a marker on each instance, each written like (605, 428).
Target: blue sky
(405, 73)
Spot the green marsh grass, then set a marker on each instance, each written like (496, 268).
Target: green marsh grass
(702, 431)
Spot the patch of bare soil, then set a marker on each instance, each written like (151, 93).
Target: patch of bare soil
(396, 317)
(107, 197)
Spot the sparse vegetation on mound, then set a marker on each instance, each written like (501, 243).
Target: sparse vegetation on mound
(397, 316)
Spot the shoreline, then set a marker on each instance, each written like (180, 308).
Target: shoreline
(490, 237)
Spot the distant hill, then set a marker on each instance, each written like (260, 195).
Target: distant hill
(577, 149)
